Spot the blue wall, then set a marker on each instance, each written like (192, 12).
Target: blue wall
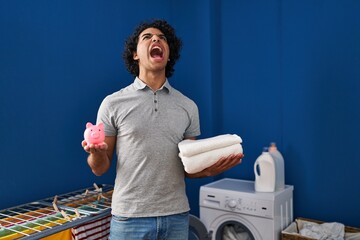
(291, 73)
(283, 71)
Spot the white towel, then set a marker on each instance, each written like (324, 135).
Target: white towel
(329, 231)
(199, 162)
(189, 147)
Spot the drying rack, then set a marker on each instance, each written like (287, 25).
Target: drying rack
(51, 215)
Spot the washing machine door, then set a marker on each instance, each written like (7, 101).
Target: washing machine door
(232, 229)
(197, 229)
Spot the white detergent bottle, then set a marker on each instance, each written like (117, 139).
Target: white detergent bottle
(279, 167)
(264, 169)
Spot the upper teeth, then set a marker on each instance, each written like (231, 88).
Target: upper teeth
(157, 47)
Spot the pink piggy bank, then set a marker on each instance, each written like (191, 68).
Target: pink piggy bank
(94, 134)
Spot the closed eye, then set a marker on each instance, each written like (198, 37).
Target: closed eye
(146, 36)
(162, 36)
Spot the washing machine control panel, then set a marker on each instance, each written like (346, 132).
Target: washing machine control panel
(238, 203)
(248, 206)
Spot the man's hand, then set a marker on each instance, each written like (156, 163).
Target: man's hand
(94, 148)
(100, 155)
(220, 166)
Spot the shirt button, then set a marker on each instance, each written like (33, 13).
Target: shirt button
(155, 109)
(155, 101)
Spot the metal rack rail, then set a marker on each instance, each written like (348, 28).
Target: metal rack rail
(51, 215)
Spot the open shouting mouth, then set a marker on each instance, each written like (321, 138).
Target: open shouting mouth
(156, 52)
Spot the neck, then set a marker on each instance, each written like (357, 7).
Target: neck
(154, 80)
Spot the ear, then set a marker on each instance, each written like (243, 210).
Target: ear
(135, 56)
(101, 126)
(89, 124)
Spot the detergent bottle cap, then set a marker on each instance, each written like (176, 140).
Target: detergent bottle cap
(265, 149)
(273, 145)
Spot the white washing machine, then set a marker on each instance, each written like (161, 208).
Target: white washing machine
(231, 209)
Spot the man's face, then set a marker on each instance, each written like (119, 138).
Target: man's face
(152, 50)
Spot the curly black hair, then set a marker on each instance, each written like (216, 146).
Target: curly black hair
(175, 45)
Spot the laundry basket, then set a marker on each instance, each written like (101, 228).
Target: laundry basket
(292, 231)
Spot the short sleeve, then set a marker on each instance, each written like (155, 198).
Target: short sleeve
(194, 127)
(106, 116)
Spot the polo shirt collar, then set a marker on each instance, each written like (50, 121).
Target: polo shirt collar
(141, 85)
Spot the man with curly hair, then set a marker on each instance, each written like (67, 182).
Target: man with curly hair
(143, 123)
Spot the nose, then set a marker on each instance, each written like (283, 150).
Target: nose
(155, 38)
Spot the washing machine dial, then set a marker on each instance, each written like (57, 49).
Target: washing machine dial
(232, 203)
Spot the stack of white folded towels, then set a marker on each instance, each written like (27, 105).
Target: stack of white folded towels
(196, 155)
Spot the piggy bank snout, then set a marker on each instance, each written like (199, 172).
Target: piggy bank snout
(95, 135)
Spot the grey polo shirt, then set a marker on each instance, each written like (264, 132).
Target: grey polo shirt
(148, 126)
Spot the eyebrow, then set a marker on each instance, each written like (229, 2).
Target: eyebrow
(150, 34)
